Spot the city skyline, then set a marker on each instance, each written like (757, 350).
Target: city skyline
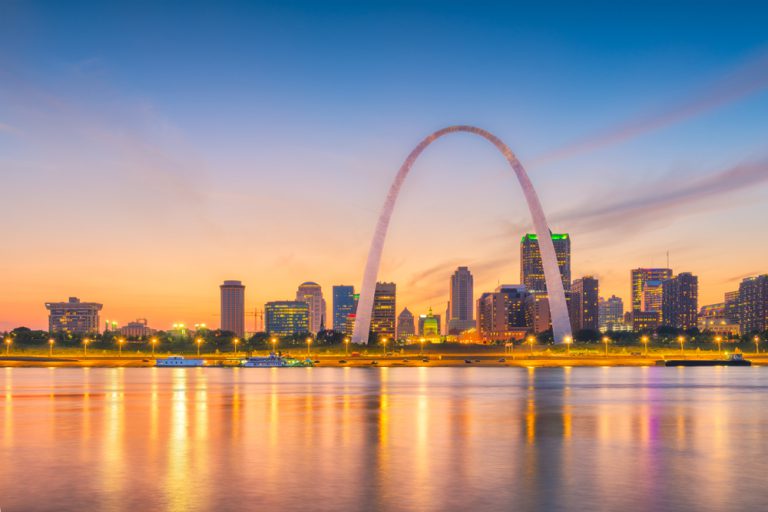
(624, 162)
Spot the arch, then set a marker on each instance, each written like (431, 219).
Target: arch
(561, 325)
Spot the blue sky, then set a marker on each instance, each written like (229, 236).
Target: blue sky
(273, 129)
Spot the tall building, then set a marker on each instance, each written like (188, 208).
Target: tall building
(233, 307)
(383, 315)
(343, 305)
(405, 325)
(584, 304)
(531, 267)
(312, 294)
(731, 302)
(610, 313)
(286, 317)
(680, 301)
(504, 314)
(537, 306)
(460, 315)
(652, 296)
(753, 304)
(73, 316)
(639, 277)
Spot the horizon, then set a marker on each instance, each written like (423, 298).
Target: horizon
(257, 142)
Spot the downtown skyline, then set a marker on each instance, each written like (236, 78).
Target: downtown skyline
(238, 176)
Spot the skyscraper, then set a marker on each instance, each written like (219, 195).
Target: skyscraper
(460, 308)
(73, 316)
(651, 298)
(680, 301)
(610, 313)
(343, 305)
(233, 307)
(531, 267)
(383, 315)
(312, 294)
(731, 301)
(753, 304)
(405, 325)
(584, 304)
(639, 277)
(286, 317)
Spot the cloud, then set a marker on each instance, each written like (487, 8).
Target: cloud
(6, 128)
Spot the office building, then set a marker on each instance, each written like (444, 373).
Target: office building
(312, 294)
(343, 306)
(584, 310)
(137, 330)
(712, 319)
(645, 321)
(680, 301)
(405, 325)
(460, 314)
(651, 297)
(731, 301)
(383, 315)
(233, 307)
(286, 317)
(753, 304)
(73, 316)
(610, 313)
(537, 306)
(531, 267)
(639, 277)
(504, 314)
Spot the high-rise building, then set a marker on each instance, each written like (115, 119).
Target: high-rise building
(652, 296)
(531, 267)
(753, 304)
(610, 313)
(233, 307)
(504, 314)
(584, 304)
(731, 302)
(405, 325)
(639, 277)
(343, 305)
(460, 315)
(383, 315)
(73, 316)
(537, 306)
(312, 294)
(286, 317)
(680, 301)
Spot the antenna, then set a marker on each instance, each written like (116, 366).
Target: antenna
(667, 258)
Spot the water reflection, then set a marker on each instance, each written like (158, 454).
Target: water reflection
(384, 439)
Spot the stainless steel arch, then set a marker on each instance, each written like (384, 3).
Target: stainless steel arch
(561, 324)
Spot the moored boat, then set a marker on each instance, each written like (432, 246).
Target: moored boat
(178, 362)
(733, 360)
(274, 361)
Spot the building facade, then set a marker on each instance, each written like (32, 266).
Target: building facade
(137, 330)
(233, 307)
(645, 321)
(460, 315)
(584, 306)
(712, 319)
(384, 311)
(343, 305)
(73, 316)
(286, 317)
(638, 279)
(610, 313)
(312, 294)
(504, 314)
(531, 267)
(753, 304)
(680, 301)
(405, 325)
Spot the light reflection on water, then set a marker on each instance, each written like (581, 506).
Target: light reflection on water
(383, 439)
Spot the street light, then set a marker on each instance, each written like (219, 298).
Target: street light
(120, 342)
(645, 340)
(199, 342)
(51, 342)
(757, 344)
(606, 341)
(681, 340)
(309, 343)
(422, 340)
(86, 341)
(153, 342)
(346, 345)
(8, 342)
(719, 341)
(384, 344)
(274, 345)
(235, 342)
(568, 340)
(531, 340)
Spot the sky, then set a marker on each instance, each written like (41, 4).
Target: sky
(151, 150)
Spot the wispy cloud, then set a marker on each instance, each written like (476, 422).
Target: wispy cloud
(6, 128)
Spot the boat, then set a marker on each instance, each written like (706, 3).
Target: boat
(733, 360)
(178, 362)
(275, 361)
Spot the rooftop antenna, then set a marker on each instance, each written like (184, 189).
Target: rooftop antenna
(667, 258)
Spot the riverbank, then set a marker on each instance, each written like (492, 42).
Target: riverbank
(408, 360)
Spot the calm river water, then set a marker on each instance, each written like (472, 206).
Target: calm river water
(628, 439)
